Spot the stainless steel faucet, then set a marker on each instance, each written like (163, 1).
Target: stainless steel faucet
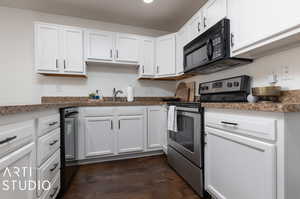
(115, 93)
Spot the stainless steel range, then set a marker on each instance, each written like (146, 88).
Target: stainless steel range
(186, 146)
(185, 151)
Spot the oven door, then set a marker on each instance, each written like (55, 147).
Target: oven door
(188, 140)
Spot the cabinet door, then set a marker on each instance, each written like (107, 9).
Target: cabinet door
(99, 45)
(155, 128)
(239, 167)
(251, 31)
(99, 136)
(181, 41)
(73, 50)
(213, 12)
(24, 161)
(131, 133)
(166, 55)
(147, 57)
(195, 25)
(47, 47)
(127, 48)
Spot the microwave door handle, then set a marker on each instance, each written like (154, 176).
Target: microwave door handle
(210, 49)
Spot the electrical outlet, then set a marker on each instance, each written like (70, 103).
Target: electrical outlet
(286, 73)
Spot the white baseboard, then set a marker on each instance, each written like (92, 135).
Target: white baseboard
(120, 157)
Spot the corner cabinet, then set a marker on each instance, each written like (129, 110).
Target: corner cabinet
(166, 55)
(59, 50)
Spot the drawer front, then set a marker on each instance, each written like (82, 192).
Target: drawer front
(54, 190)
(97, 111)
(47, 124)
(14, 136)
(259, 127)
(49, 169)
(47, 145)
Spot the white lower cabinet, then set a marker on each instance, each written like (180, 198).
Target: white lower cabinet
(18, 166)
(131, 133)
(239, 167)
(156, 127)
(99, 136)
(111, 131)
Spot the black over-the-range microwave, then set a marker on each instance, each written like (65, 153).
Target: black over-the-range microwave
(210, 52)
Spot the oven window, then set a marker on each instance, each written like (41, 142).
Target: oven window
(185, 134)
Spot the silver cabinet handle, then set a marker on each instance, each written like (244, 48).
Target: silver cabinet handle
(54, 142)
(8, 140)
(117, 54)
(56, 63)
(52, 123)
(54, 167)
(111, 53)
(143, 69)
(54, 192)
(157, 69)
(230, 123)
(119, 124)
(199, 24)
(231, 39)
(64, 64)
(111, 125)
(204, 21)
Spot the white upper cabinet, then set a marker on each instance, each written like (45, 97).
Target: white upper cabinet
(147, 60)
(166, 55)
(58, 49)
(213, 12)
(73, 50)
(99, 45)
(127, 48)
(47, 47)
(256, 24)
(181, 41)
(196, 25)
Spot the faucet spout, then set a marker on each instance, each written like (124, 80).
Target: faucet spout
(115, 93)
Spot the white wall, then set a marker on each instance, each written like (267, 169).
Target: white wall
(261, 68)
(20, 85)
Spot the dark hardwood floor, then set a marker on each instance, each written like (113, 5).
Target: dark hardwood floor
(143, 178)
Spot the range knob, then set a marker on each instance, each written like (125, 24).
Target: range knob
(236, 84)
(229, 84)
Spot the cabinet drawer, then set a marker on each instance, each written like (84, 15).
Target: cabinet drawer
(54, 190)
(49, 169)
(14, 136)
(48, 123)
(47, 145)
(97, 111)
(255, 126)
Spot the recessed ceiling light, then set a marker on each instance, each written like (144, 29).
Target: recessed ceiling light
(148, 1)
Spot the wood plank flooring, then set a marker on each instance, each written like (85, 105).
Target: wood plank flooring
(143, 178)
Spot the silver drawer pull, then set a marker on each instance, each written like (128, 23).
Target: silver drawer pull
(8, 140)
(52, 123)
(54, 142)
(54, 192)
(230, 123)
(54, 167)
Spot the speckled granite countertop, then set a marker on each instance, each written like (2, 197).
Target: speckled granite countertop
(14, 109)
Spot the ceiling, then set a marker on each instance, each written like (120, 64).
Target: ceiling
(166, 15)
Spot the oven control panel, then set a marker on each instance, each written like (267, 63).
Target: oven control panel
(235, 84)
